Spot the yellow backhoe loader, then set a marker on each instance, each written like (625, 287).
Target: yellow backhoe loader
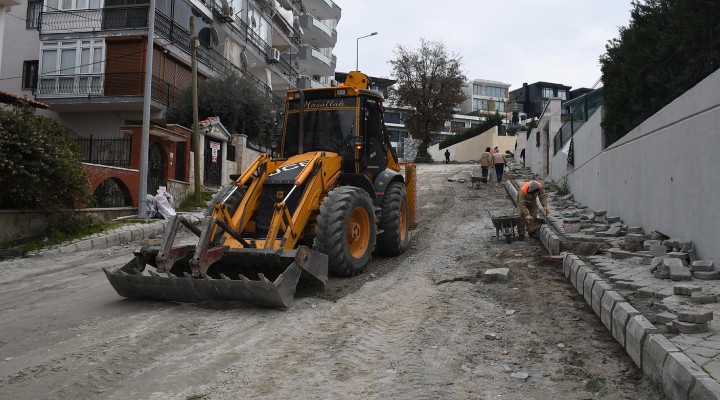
(330, 194)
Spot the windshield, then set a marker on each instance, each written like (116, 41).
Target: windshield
(325, 129)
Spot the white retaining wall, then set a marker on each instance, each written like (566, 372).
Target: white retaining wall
(664, 174)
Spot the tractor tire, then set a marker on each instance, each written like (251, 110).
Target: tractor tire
(394, 221)
(346, 230)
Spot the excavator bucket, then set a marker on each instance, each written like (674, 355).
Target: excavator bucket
(263, 277)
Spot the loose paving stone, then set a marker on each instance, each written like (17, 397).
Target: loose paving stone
(685, 289)
(497, 275)
(649, 243)
(612, 218)
(703, 298)
(635, 238)
(707, 276)
(678, 254)
(657, 235)
(703, 265)
(680, 273)
(664, 317)
(520, 376)
(658, 250)
(635, 229)
(695, 316)
(672, 262)
(689, 327)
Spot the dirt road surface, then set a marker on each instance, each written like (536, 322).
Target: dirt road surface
(419, 326)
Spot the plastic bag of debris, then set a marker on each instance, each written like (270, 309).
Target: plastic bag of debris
(151, 208)
(164, 203)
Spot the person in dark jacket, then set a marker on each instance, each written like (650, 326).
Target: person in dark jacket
(447, 156)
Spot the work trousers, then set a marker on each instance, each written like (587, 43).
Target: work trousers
(532, 225)
(499, 168)
(484, 173)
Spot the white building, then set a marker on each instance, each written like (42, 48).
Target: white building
(485, 97)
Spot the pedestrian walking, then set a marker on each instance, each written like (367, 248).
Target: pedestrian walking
(499, 162)
(485, 163)
(447, 156)
(527, 198)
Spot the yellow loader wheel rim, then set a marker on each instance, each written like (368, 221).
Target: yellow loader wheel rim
(358, 232)
(346, 230)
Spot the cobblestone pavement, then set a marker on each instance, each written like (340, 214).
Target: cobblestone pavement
(649, 290)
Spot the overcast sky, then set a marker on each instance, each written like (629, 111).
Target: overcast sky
(511, 41)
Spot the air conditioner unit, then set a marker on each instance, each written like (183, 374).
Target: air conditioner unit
(274, 56)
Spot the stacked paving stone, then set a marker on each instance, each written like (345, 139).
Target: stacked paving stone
(681, 350)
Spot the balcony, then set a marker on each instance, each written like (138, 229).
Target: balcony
(71, 21)
(314, 62)
(316, 33)
(323, 9)
(123, 88)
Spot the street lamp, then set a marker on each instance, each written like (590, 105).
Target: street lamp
(357, 43)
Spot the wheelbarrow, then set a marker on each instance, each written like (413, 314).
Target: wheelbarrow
(506, 224)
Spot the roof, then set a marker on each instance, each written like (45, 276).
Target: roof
(215, 128)
(9, 98)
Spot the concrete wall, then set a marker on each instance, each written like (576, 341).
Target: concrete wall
(663, 174)
(587, 143)
(471, 149)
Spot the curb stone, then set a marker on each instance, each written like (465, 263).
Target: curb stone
(113, 237)
(658, 358)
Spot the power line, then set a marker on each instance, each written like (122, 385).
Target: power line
(78, 66)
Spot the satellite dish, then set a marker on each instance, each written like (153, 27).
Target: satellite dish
(208, 36)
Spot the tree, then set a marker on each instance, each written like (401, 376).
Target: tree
(668, 47)
(236, 100)
(429, 88)
(39, 163)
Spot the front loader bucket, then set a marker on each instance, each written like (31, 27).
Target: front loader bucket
(227, 278)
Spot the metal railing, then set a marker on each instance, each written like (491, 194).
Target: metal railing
(114, 84)
(70, 20)
(76, 85)
(114, 152)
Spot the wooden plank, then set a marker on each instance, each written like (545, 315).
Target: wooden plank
(625, 253)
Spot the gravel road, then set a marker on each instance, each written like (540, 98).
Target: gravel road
(418, 326)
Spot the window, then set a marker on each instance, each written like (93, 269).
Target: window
(500, 106)
(492, 91)
(477, 90)
(30, 75)
(479, 105)
(59, 5)
(456, 126)
(547, 93)
(562, 94)
(33, 14)
(72, 67)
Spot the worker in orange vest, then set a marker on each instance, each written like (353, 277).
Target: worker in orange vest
(527, 205)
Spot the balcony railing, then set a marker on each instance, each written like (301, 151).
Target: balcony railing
(78, 85)
(75, 21)
(115, 84)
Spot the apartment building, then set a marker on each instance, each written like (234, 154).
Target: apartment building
(86, 60)
(534, 97)
(485, 97)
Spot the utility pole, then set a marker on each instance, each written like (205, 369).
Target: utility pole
(145, 137)
(196, 128)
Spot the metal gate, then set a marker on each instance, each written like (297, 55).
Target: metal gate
(156, 168)
(213, 162)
